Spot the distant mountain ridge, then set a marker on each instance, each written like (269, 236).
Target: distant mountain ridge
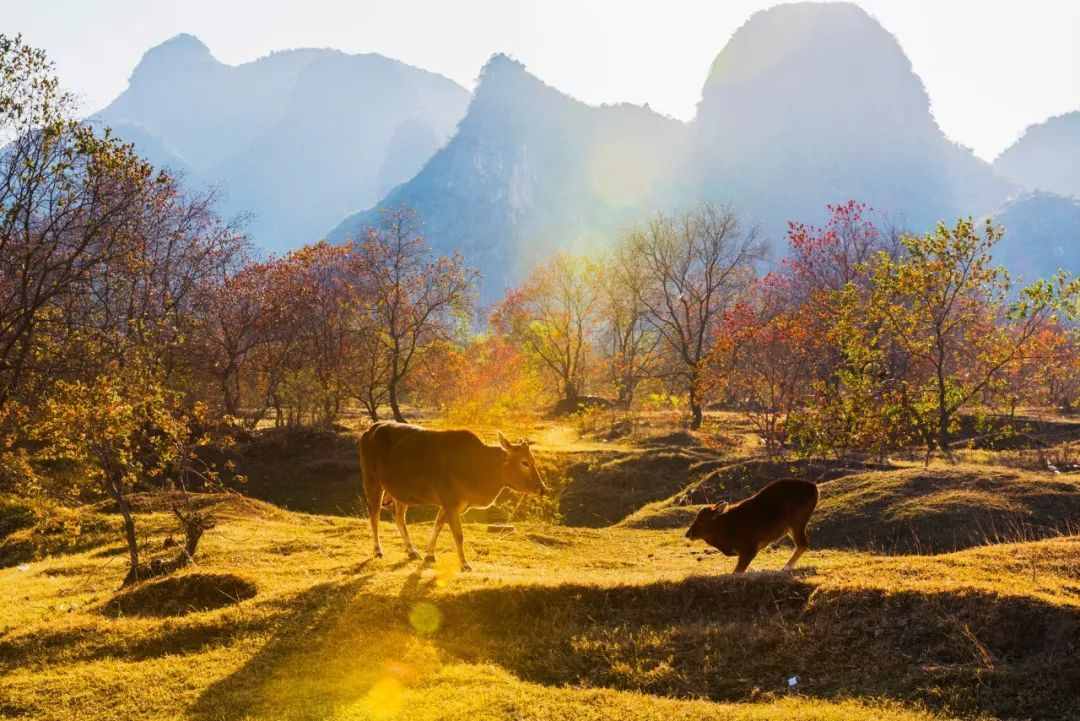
(1042, 235)
(297, 138)
(807, 104)
(816, 103)
(531, 171)
(1046, 157)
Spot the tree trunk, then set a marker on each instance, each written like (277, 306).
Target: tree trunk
(394, 402)
(279, 415)
(129, 532)
(570, 392)
(372, 411)
(696, 413)
(230, 396)
(943, 434)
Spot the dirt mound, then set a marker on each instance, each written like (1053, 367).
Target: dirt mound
(678, 439)
(603, 493)
(943, 509)
(180, 595)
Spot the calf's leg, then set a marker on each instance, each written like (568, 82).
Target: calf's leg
(453, 517)
(798, 535)
(403, 530)
(440, 520)
(745, 557)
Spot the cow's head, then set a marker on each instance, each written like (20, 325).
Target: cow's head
(519, 467)
(711, 526)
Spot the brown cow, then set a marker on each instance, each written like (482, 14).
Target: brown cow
(454, 470)
(744, 528)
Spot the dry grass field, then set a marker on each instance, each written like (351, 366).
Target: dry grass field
(941, 592)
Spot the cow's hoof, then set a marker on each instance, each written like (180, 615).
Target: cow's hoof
(465, 567)
(378, 553)
(430, 558)
(413, 554)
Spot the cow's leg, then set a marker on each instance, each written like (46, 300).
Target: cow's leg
(373, 494)
(798, 535)
(745, 557)
(453, 517)
(440, 521)
(399, 519)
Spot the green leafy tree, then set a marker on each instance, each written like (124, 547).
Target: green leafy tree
(124, 427)
(938, 329)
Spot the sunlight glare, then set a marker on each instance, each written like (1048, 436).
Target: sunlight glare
(425, 618)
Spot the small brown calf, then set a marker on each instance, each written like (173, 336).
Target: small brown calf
(744, 528)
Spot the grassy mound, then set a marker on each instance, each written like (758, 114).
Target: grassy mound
(604, 492)
(179, 595)
(720, 481)
(942, 509)
(33, 529)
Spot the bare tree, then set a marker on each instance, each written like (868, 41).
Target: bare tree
(694, 266)
(553, 315)
(413, 298)
(630, 344)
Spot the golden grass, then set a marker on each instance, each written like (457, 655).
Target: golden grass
(286, 616)
(554, 623)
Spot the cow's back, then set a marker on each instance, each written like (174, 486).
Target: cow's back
(768, 514)
(412, 463)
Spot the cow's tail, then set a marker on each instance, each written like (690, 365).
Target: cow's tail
(373, 491)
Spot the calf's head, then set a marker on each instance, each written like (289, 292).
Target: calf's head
(710, 525)
(519, 467)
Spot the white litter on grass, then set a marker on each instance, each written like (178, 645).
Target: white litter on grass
(23, 567)
(793, 682)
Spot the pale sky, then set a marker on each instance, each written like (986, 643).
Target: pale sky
(991, 67)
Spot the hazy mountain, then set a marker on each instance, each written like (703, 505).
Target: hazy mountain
(532, 170)
(808, 104)
(298, 138)
(816, 103)
(1046, 157)
(1042, 235)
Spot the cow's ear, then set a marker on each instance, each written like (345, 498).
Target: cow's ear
(504, 442)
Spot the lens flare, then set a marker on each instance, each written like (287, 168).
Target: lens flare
(425, 618)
